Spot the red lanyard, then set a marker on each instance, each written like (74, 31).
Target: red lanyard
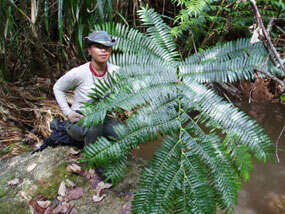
(95, 74)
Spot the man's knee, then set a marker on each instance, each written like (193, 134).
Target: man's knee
(75, 131)
(90, 135)
(109, 125)
(93, 133)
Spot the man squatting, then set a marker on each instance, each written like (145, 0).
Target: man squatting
(82, 79)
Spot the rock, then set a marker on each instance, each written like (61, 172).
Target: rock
(44, 180)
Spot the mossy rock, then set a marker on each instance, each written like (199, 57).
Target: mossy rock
(45, 178)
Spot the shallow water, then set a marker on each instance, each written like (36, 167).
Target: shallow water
(264, 193)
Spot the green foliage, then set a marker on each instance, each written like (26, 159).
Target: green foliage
(211, 21)
(192, 7)
(282, 97)
(81, 15)
(195, 170)
(240, 155)
(37, 33)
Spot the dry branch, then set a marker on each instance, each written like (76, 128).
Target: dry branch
(260, 24)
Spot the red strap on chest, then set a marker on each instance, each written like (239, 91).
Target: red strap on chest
(96, 74)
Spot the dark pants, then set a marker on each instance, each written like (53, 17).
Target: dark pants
(89, 135)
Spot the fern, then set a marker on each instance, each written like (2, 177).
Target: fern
(227, 63)
(194, 7)
(194, 171)
(211, 21)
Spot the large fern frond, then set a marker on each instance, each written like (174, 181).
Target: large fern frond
(158, 31)
(229, 62)
(163, 164)
(144, 126)
(195, 170)
(224, 116)
(135, 90)
(187, 186)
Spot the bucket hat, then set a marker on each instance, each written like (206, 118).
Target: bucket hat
(100, 37)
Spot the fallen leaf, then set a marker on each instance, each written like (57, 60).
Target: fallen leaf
(73, 211)
(60, 198)
(93, 182)
(91, 173)
(97, 198)
(61, 208)
(44, 204)
(238, 1)
(75, 161)
(31, 167)
(99, 190)
(74, 168)
(103, 185)
(255, 36)
(14, 182)
(75, 193)
(73, 151)
(70, 183)
(32, 210)
(35, 208)
(84, 173)
(48, 210)
(24, 195)
(62, 189)
(127, 209)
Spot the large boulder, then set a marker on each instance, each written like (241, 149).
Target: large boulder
(26, 179)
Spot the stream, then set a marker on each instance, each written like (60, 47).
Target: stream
(264, 193)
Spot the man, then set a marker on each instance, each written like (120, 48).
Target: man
(82, 79)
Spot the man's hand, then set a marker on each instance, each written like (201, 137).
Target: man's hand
(74, 117)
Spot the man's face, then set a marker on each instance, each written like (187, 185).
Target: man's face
(99, 53)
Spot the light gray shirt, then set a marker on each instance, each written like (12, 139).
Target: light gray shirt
(81, 80)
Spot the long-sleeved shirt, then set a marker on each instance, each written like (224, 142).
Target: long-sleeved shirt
(81, 80)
